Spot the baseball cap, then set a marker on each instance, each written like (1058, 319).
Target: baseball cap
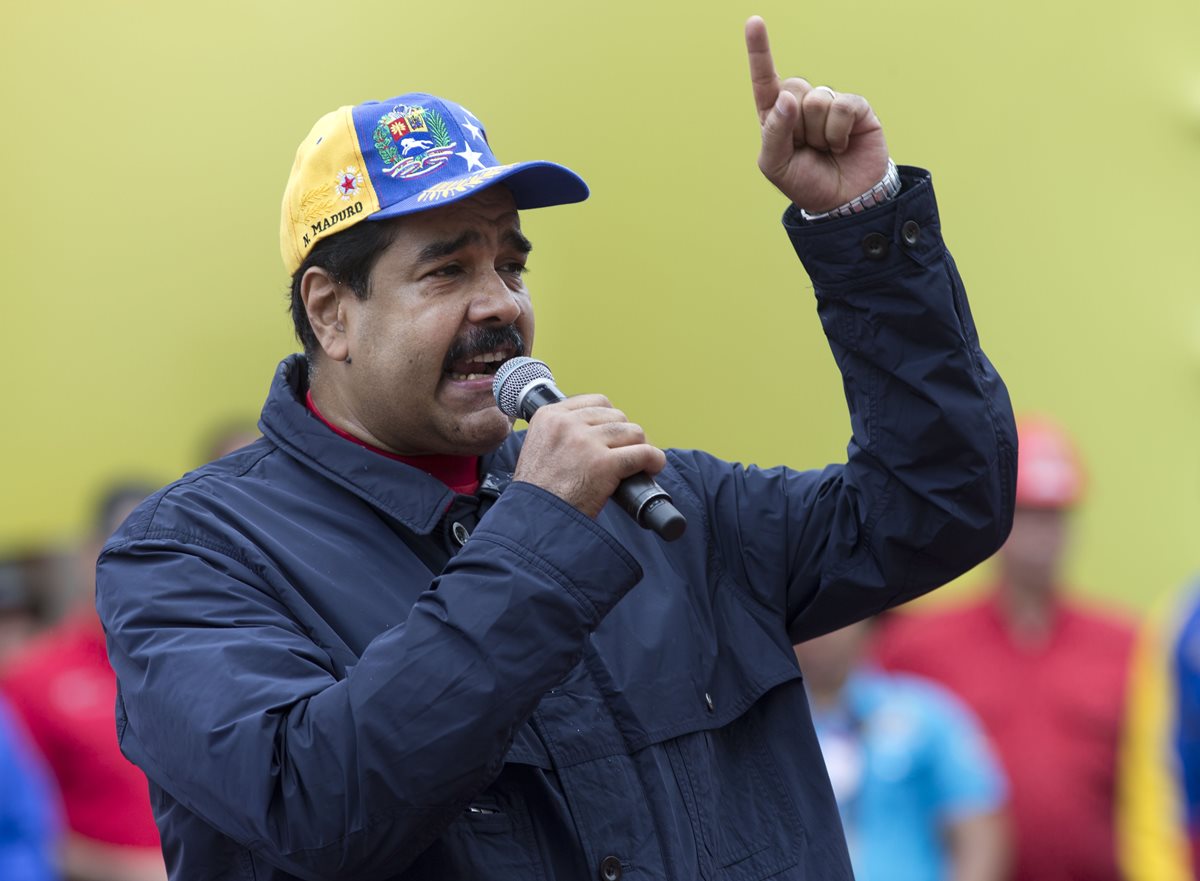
(1049, 472)
(384, 159)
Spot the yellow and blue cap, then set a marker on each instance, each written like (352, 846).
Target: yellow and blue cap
(384, 159)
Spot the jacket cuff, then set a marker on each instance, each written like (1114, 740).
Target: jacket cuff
(881, 240)
(558, 539)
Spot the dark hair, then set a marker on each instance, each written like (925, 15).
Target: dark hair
(225, 437)
(349, 257)
(110, 506)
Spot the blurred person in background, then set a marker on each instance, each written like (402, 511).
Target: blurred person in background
(1045, 672)
(1158, 808)
(63, 688)
(18, 612)
(919, 790)
(30, 825)
(228, 437)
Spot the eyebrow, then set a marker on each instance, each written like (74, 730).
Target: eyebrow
(517, 239)
(437, 250)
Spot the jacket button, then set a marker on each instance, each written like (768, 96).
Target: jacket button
(460, 533)
(610, 869)
(875, 246)
(708, 702)
(910, 232)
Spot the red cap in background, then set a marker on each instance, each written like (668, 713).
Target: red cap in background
(1049, 473)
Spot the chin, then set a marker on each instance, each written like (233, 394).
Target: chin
(480, 436)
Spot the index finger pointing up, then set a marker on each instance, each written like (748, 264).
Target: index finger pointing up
(762, 67)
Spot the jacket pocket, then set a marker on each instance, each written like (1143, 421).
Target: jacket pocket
(745, 822)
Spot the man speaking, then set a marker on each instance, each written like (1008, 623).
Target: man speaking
(394, 639)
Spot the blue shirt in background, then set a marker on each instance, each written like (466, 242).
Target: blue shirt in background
(29, 820)
(904, 756)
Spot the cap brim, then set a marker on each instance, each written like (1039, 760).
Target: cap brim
(533, 185)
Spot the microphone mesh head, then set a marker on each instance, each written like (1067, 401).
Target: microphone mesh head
(512, 378)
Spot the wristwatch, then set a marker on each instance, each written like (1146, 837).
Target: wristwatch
(884, 191)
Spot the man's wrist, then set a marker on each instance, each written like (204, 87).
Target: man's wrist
(884, 191)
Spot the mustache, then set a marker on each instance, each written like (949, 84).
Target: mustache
(480, 340)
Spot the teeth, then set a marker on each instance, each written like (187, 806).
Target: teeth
(486, 358)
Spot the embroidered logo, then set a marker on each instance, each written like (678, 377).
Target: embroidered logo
(349, 182)
(315, 203)
(412, 141)
(447, 188)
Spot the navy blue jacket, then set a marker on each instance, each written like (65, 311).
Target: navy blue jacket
(569, 698)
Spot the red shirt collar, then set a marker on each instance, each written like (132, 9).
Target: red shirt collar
(460, 473)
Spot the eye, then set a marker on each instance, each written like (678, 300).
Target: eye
(448, 271)
(516, 267)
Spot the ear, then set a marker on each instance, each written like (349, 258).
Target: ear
(322, 297)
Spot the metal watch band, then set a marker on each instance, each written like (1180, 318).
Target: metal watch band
(885, 190)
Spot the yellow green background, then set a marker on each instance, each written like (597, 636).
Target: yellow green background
(146, 145)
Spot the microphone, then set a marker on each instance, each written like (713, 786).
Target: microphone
(522, 385)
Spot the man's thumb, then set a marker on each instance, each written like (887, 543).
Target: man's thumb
(778, 133)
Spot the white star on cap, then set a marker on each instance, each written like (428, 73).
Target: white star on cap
(474, 130)
(471, 156)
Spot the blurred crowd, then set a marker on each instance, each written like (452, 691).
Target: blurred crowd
(71, 807)
(1022, 734)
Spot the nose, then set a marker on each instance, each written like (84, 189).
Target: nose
(495, 303)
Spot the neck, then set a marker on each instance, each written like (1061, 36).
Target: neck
(460, 473)
(1028, 611)
(825, 696)
(326, 401)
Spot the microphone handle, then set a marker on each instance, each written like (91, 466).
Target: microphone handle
(638, 495)
(650, 506)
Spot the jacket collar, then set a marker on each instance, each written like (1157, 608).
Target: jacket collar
(404, 493)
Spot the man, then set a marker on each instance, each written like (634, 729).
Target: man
(18, 610)
(920, 792)
(1045, 672)
(226, 437)
(393, 639)
(61, 685)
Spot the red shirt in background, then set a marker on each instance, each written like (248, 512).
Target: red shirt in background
(64, 690)
(1054, 713)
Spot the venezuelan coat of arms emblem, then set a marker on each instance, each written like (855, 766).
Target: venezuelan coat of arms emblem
(412, 141)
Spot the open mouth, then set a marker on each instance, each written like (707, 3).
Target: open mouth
(481, 366)
(478, 354)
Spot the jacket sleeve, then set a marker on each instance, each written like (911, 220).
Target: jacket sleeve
(349, 777)
(927, 489)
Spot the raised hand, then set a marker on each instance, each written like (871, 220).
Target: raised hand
(821, 148)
